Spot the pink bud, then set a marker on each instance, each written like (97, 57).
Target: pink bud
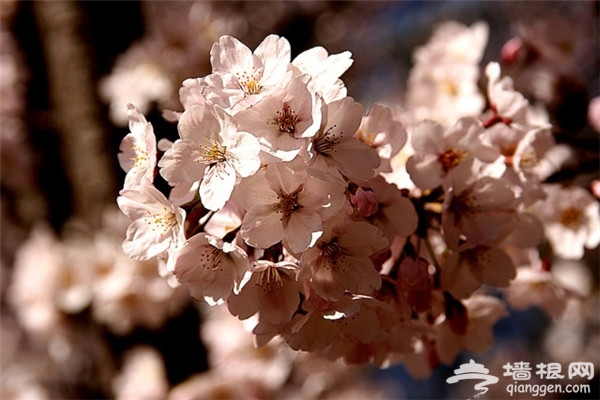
(364, 201)
(511, 50)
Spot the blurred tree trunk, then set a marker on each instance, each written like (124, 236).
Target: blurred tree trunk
(75, 108)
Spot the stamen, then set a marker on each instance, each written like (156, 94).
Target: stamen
(162, 221)
(270, 278)
(451, 158)
(212, 153)
(249, 82)
(333, 253)
(286, 119)
(288, 203)
(571, 217)
(325, 142)
(141, 156)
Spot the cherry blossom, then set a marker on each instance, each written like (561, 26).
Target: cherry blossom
(138, 150)
(269, 288)
(241, 77)
(325, 70)
(211, 268)
(481, 211)
(438, 151)
(339, 261)
(282, 119)
(335, 154)
(286, 204)
(370, 238)
(534, 286)
(481, 312)
(506, 102)
(211, 149)
(571, 219)
(465, 270)
(442, 85)
(157, 225)
(383, 132)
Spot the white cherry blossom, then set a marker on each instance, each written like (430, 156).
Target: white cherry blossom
(325, 70)
(211, 268)
(210, 150)
(270, 289)
(386, 134)
(286, 204)
(571, 218)
(241, 77)
(335, 154)
(157, 224)
(439, 150)
(282, 120)
(340, 262)
(482, 312)
(506, 102)
(480, 211)
(138, 149)
(465, 270)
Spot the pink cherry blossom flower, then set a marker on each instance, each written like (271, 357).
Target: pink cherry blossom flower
(324, 325)
(465, 270)
(380, 130)
(284, 203)
(442, 85)
(270, 289)
(535, 287)
(480, 211)
(482, 312)
(324, 70)
(439, 150)
(157, 225)
(138, 150)
(506, 102)
(571, 219)
(211, 149)
(395, 214)
(282, 119)
(211, 268)
(340, 262)
(242, 77)
(334, 152)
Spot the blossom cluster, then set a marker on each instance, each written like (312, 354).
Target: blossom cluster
(367, 234)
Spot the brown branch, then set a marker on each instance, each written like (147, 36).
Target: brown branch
(75, 108)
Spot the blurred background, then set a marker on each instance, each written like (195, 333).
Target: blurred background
(79, 320)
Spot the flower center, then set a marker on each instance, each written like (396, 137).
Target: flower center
(529, 159)
(333, 253)
(325, 142)
(288, 203)
(141, 156)
(269, 278)
(570, 217)
(464, 204)
(161, 221)
(212, 153)
(451, 158)
(250, 82)
(210, 258)
(450, 88)
(286, 119)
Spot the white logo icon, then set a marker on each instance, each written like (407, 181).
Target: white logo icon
(472, 370)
